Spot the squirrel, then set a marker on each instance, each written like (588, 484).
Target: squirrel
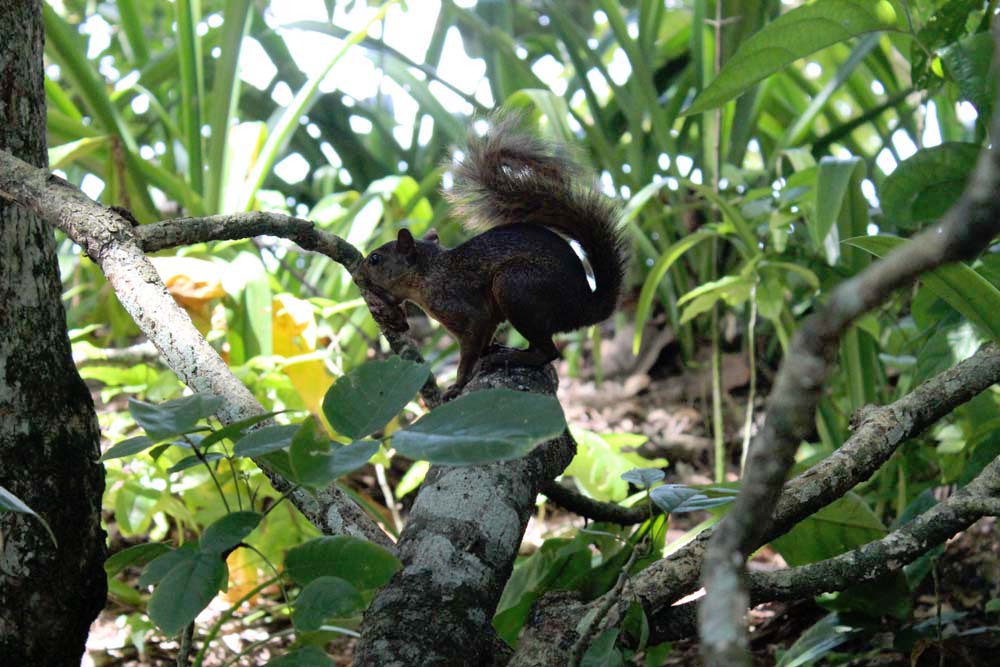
(529, 196)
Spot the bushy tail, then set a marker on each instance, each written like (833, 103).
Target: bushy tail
(508, 177)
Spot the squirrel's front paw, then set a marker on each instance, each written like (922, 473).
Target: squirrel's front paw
(452, 393)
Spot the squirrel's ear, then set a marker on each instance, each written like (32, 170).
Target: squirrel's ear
(404, 242)
(432, 236)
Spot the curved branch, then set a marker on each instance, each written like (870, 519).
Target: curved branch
(878, 433)
(595, 510)
(866, 563)
(966, 229)
(110, 240)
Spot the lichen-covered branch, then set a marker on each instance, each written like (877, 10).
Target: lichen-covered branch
(966, 229)
(110, 240)
(458, 550)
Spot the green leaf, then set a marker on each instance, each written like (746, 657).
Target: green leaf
(655, 275)
(924, 186)
(677, 498)
(140, 554)
(62, 156)
(969, 62)
(841, 526)
(317, 462)
(796, 34)
(834, 181)
(164, 420)
(602, 459)
(127, 447)
(825, 635)
(364, 400)
(307, 656)
(186, 590)
(365, 565)
(960, 286)
(643, 477)
(287, 121)
(233, 431)
(11, 503)
(228, 531)
(161, 565)
(484, 426)
(602, 651)
(265, 440)
(323, 598)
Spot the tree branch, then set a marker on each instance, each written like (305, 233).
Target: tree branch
(111, 242)
(878, 433)
(866, 563)
(966, 229)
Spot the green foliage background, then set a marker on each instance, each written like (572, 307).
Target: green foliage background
(760, 159)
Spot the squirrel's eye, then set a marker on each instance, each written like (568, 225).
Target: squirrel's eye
(374, 259)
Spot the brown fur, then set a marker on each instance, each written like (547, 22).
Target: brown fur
(520, 189)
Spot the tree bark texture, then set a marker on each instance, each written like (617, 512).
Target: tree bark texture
(49, 438)
(458, 550)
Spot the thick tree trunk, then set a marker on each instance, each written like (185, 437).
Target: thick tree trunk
(49, 595)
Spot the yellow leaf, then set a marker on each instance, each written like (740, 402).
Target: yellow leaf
(293, 334)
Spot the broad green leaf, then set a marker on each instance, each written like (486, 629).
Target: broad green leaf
(643, 477)
(127, 447)
(924, 186)
(11, 503)
(796, 34)
(960, 286)
(655, 275)
(834, 181)
(317, 462)
(365, 565)
(265, 440)
(839, 527)
(825, 635)
(228, 531)
(186, 590)
(364, 400)
(484, 426)
(158, 568)
(323, 598)
(307, 656)
(164, 420)
(140, 554)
